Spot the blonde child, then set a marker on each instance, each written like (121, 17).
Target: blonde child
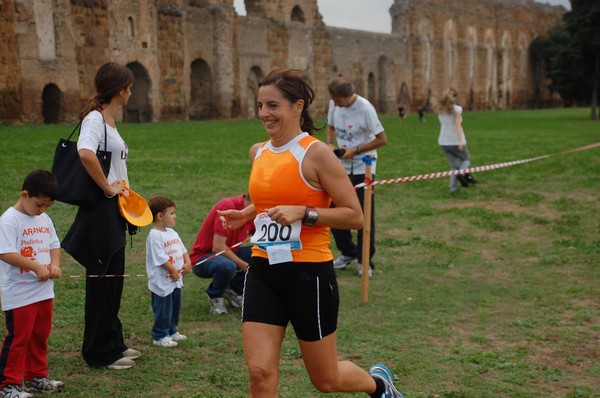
(167, 260)
(29, 261)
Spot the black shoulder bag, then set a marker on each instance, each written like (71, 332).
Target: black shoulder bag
(75, 184)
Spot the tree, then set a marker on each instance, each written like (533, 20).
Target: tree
(571, 54)
(583, 22)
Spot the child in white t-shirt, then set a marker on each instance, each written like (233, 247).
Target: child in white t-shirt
(29, 261)
(167, 260)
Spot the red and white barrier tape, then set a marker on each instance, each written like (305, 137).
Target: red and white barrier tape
(166, 275)
(381, 182)
(471, 169)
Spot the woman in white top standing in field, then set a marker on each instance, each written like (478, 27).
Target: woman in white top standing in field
(97, 237)
(452, 138)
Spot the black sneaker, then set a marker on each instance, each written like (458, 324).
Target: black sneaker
(43, 384)
(471, 179)
(463, 180)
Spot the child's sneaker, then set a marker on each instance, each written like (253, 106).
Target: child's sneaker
(43, 384)
(178, 336)
(166, 342)
(14, 391)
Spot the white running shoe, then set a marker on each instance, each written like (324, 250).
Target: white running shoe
(43, 384)
(14, 391)
(178, 336)
(234, 298)
(359, 270)
(166, 342)
(217, 305)
(343, 261)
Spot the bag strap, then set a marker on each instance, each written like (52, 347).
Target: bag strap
(78, 127)
(75, 129)
(105, 135)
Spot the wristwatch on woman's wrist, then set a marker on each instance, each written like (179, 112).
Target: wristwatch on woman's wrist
(310, 217)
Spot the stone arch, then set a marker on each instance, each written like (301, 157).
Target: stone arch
(523, 49)
(471, 45)
(450, 53)
(505, 75)
(471, 99)
(254, 76)
(371, 88)
(139, 108)
(522, 68)
(426, 41)
(298, 14)
(403, 99)
(52, 104)
(490, 67)
(201, 105)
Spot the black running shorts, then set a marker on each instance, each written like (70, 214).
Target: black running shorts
(303, 294)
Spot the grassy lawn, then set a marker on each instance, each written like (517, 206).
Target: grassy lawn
(490, 292)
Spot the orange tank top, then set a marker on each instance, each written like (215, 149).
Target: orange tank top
(276, 179)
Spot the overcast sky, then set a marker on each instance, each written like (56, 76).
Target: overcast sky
(370, 15)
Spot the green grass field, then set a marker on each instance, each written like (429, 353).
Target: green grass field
(490, 292)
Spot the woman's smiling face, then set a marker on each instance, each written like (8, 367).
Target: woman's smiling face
(278, 115)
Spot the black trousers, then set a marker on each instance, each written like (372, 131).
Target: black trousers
(103, 341)
(343, 237)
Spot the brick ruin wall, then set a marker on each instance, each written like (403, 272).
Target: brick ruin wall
(198, 59)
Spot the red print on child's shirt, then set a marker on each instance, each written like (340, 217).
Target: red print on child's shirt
(28, 252)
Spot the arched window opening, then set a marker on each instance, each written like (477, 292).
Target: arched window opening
(201, 106)
(139, 108)
(130, 27)
(52, 103)
(298, 15)
(404, 99)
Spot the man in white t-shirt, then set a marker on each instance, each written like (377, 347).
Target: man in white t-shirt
(355, 127)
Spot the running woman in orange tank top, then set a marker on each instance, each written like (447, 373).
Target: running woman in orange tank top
(291, 277)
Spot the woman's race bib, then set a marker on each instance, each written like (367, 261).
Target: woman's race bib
(276, 239)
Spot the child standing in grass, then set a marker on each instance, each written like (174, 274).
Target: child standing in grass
(29, 260)
(167, 260)
(452, 138)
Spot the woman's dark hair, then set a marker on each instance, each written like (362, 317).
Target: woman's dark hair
(110, 79)
(40, 183)
(294, 85)
(159, 204)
